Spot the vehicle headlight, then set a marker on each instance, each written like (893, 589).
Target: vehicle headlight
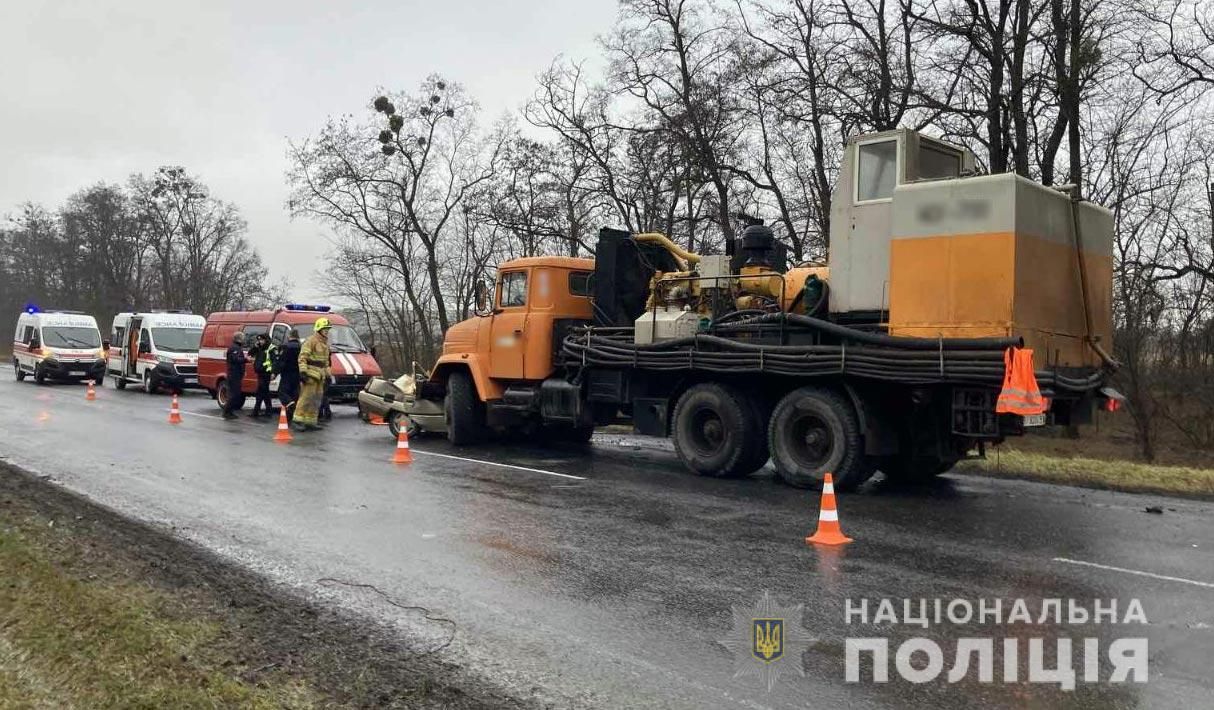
(164, 359)
(51, 360)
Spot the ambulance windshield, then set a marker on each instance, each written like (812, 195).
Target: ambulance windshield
(62, 336)
(179, 340)
(342, 338)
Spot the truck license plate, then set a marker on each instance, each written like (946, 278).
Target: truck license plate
(1034, 419)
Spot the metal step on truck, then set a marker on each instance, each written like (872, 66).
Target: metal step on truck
(890, 357)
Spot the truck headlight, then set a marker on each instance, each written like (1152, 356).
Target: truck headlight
(164, 359)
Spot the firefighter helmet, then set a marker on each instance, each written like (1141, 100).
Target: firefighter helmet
(322, 324)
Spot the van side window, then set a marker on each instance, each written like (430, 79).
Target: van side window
(28, 335)
(145, 341)
(514, 289)
(876, 170)
(117, 337)
(279, 335)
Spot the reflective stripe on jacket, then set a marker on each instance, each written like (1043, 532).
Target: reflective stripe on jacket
(1020, 394)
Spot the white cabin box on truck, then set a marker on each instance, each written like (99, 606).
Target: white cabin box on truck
(155, 350)
(57, 345)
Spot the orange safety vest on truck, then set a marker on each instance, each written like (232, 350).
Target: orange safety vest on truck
(1020, 394)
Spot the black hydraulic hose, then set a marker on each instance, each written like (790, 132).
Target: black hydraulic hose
(739, 314)
(888, 341)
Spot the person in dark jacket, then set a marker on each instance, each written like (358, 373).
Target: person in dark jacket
(263, 354)
(287, 368)
(236, 361)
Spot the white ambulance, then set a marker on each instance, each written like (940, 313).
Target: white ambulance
(155, 350)
(57, 345)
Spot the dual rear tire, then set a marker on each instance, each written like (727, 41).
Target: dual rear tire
(721, 431)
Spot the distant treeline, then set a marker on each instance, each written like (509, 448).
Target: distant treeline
(160, 241)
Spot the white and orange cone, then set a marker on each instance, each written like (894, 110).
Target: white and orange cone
(829, 532)
(174, 411)
(283, 435)
(92, 393)
(402, 455)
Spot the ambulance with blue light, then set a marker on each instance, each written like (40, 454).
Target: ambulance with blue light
(351, 362)
(156, 350)
(64, 346)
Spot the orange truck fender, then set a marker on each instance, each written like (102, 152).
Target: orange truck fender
(487, 389)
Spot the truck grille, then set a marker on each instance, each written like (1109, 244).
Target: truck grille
(187, 369)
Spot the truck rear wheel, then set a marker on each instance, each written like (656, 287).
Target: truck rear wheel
(465, 411)
(814, 432)
(19, 372)
(717, 432)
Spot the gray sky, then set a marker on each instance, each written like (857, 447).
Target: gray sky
(96, 90)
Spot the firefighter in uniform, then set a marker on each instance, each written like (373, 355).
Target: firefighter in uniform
(314, 375)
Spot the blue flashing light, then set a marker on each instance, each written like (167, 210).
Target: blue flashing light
(307, 307)
(32, 308)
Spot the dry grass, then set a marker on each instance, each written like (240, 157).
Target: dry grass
(1120, 475)
(75, 635)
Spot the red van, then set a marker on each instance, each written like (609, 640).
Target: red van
(353, 365)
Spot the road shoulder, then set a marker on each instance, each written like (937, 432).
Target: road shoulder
(93, 600)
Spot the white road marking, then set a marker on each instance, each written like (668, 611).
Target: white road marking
(494, 463)
(198, 414)
(1140, 573)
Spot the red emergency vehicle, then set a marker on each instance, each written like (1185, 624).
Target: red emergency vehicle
(352, 363)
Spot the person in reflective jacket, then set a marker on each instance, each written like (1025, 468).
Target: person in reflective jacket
(263, 354)
(314, 375)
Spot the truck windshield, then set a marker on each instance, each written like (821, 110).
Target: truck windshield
(179, 340)
(342, 338)
(60, 336)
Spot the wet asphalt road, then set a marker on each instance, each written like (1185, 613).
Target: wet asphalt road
(606, 576)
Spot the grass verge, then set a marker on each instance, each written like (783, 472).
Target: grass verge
(100, 611)
(1128, 476)
(76, 635)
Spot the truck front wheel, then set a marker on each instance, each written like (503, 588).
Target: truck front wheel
(814, 432)
(717, 432)
(465, 411)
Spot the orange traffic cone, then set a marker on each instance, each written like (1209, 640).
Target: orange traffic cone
(174, 411)
(829, 532)
(284, 430)
(92, 393)
(403, 455)
(376, 419)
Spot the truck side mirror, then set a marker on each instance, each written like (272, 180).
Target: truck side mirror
(482, 296)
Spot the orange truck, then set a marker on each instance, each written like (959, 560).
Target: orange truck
(892, 357)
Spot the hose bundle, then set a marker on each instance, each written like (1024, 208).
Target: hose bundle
(953, 361)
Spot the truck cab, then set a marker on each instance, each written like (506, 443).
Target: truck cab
(495, 364)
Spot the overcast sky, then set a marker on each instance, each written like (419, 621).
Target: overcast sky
(95, 90)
